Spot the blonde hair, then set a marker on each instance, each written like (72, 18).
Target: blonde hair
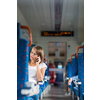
(40, 52)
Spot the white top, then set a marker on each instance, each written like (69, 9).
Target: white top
(33, 72)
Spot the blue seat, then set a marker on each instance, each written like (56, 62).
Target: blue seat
(80, 89)
(35, 97)
(80, 62)
(69, 72)
(81, 74)
(74, 68)
(66, 68)
(74, 72)
(77, 89)
(46, 73)
(22, 65)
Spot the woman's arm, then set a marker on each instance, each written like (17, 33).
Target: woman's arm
(40, 73)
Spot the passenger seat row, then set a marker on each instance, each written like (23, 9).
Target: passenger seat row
(24, 87)
(75, 67)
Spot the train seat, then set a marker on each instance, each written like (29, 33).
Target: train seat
(74, 72)
(81, 75)
(77, 81)
(52, 74)
(22, 66)
(80, 89)
(69, 71)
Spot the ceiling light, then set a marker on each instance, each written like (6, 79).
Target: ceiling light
(69, 23)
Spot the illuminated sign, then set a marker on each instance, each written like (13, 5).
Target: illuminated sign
(55, 33)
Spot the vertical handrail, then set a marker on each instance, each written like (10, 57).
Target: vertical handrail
(71, 58)
(77, 50)
(67, 61)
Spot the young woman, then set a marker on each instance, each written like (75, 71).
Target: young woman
(36, 67)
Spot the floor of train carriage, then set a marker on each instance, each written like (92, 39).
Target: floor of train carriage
(58, 93)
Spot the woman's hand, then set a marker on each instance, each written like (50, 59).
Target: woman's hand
(38, 60)
(69, 81)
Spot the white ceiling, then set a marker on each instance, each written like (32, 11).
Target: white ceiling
(40, 14)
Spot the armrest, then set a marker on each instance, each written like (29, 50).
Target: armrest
(40, 82)
(30, 87)
(26, 90)
(30, 84)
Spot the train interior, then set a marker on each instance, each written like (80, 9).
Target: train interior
(58, 27)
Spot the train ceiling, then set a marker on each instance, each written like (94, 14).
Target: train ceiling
(53, 14)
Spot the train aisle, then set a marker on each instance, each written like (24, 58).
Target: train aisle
(57, 93)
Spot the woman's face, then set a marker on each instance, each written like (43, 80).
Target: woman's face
(33, 54)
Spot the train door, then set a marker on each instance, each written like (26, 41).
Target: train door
(57, 56)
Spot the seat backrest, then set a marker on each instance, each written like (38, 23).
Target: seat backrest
(51, 73)
(47, 70)
(69, 70)
(66, 68)
(22, 67)
(81, 72)
(74, 68)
